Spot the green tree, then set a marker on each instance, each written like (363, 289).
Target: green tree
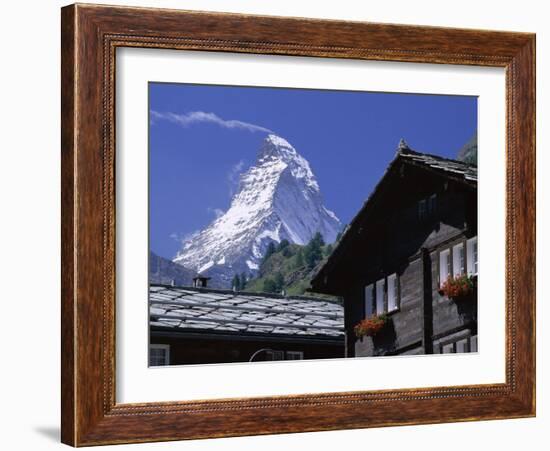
(279, 282)
(236, 283)
(318, 238)
(269, 251)
(270, 286)
(313, 252)
(299, 259)
(328, 250)
(244, 280)
(282, 245)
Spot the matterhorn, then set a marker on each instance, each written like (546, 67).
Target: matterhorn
(278, 198)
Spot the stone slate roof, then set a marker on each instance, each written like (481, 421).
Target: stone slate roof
(188, 309)
(451, 167)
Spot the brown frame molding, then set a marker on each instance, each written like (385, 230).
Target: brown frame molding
(90, 36)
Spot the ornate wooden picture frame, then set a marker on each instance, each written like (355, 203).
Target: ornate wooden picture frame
(90, 37)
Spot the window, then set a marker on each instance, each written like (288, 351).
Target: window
(274, 355)
(422, 213)
(462, 346)
(159, 355)
(444, 266)
(427, 207)
(392, 293)
(458, 259)
(294, 355)
(473, 343)
(369, 300)
(471, 251)
(375, 302)
(432, 205)
(380, 296)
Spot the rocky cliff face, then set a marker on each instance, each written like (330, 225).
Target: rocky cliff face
(164, 271)
(468, 152)
(278, 198)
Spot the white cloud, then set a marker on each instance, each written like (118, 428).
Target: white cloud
(194, 117)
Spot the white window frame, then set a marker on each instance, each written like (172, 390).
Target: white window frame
(473, 343)
(274, 355)
(471, 256)
(393, 292)
(459, 261)
(444, 266)
(462, 346)
(298, 354)
(162, 347)
(380, 285)
(369, 300)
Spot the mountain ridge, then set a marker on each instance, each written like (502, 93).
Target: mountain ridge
(166, 272)
(278, 198)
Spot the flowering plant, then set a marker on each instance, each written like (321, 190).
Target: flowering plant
(457, 287)
(370, 326)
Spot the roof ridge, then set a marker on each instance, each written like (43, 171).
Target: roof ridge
(244, 293)
(437, 157)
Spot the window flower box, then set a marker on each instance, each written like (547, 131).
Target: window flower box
(370, 326)
(458, 287)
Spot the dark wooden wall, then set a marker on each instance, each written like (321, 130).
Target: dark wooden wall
(397, 241)
(195, 350)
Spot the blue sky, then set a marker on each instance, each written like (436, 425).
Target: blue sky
(201, 137)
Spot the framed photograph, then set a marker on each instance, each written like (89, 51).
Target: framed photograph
(278, 225)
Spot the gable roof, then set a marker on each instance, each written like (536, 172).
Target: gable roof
(185, 309)
(456, 170)
(451, 168)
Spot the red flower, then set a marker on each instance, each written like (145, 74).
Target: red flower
(457, 287)
(370, 326)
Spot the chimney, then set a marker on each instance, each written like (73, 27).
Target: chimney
(200, 281)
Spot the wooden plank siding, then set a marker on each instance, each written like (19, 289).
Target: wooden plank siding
(392, 238)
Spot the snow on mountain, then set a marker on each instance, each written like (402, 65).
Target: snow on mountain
(278, 198)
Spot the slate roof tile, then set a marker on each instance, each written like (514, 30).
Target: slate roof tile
(221, 310)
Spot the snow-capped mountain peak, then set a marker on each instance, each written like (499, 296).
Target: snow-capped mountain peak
(278, 198)
(276, 147)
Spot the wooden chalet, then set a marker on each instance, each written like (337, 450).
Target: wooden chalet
(416, 231)
(198, 325)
